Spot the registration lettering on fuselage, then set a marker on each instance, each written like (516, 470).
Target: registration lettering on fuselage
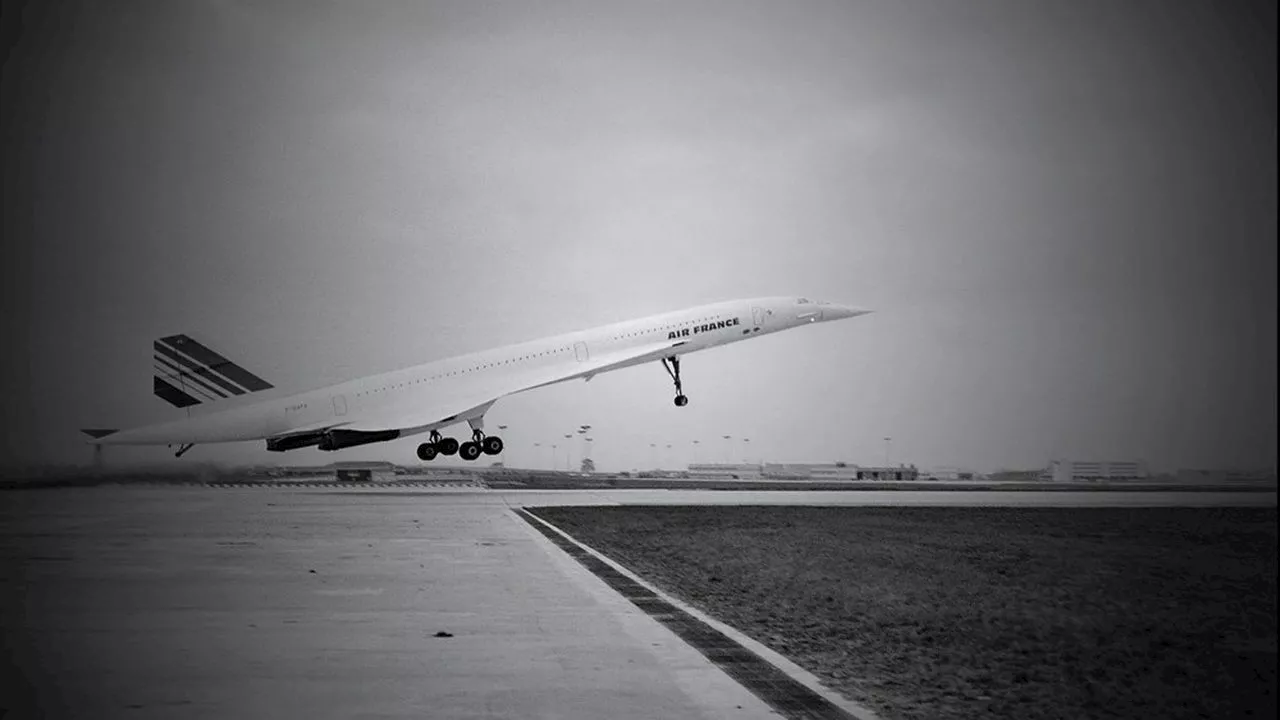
(705, 327)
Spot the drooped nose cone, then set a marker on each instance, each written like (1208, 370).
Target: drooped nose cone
(839, 312)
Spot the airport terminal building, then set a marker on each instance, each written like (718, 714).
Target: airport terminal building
(1208, 476)
(803, 471)
(953, 474)
(1068, 471)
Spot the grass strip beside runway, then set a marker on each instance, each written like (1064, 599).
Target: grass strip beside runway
(937, 612)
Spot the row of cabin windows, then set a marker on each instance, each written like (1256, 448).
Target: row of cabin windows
(663, 327)
(534, 355)
(527, 357)
(530, 356)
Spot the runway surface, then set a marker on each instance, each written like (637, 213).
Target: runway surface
(199, 602)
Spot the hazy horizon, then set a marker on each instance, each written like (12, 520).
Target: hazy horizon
(1063, 216)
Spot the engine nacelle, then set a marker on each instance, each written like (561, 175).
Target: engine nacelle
(293, 442)
(338, 439)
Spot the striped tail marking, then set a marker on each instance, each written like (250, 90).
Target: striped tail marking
(188, 373)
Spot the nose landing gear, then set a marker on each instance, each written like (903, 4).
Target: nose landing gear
(673, 369)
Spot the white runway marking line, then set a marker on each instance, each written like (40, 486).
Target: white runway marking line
(795, 672)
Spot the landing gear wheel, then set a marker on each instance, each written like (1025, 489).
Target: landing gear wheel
(681, 401)
(469, 451)
(426, 452)
(491, 445)
(447, 446)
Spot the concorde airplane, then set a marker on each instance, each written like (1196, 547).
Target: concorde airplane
(428, 398)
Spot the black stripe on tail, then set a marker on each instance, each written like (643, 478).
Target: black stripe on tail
(216, 363)
(187, 373)
(173, 395)
(187, 369)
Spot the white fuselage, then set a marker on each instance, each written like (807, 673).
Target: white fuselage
(469, 375)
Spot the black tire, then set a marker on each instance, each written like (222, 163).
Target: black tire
(426, 452)
(469, 451)
(447, 446)
(681, 401)
(491, 445)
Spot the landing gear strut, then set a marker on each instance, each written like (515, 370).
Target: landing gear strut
(183, 448)
(673, 369)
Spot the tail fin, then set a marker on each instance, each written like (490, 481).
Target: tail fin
(188, 373)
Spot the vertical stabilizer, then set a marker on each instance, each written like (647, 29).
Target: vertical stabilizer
(188, 373)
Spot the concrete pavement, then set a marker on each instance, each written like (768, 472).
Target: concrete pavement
(194, 602)
(199, 603)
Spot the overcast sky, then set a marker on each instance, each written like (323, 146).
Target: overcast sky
(1063, 213)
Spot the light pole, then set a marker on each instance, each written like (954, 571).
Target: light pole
(887, 443)
(590, 444)
(535, 449)
(746, 451)
(667, 459)
(500, 429)
(568, 452)
(695, 452)
(728, 449)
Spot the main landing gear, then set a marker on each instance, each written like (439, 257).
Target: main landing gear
(437, 446)
(469, 451)
(673, 369)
